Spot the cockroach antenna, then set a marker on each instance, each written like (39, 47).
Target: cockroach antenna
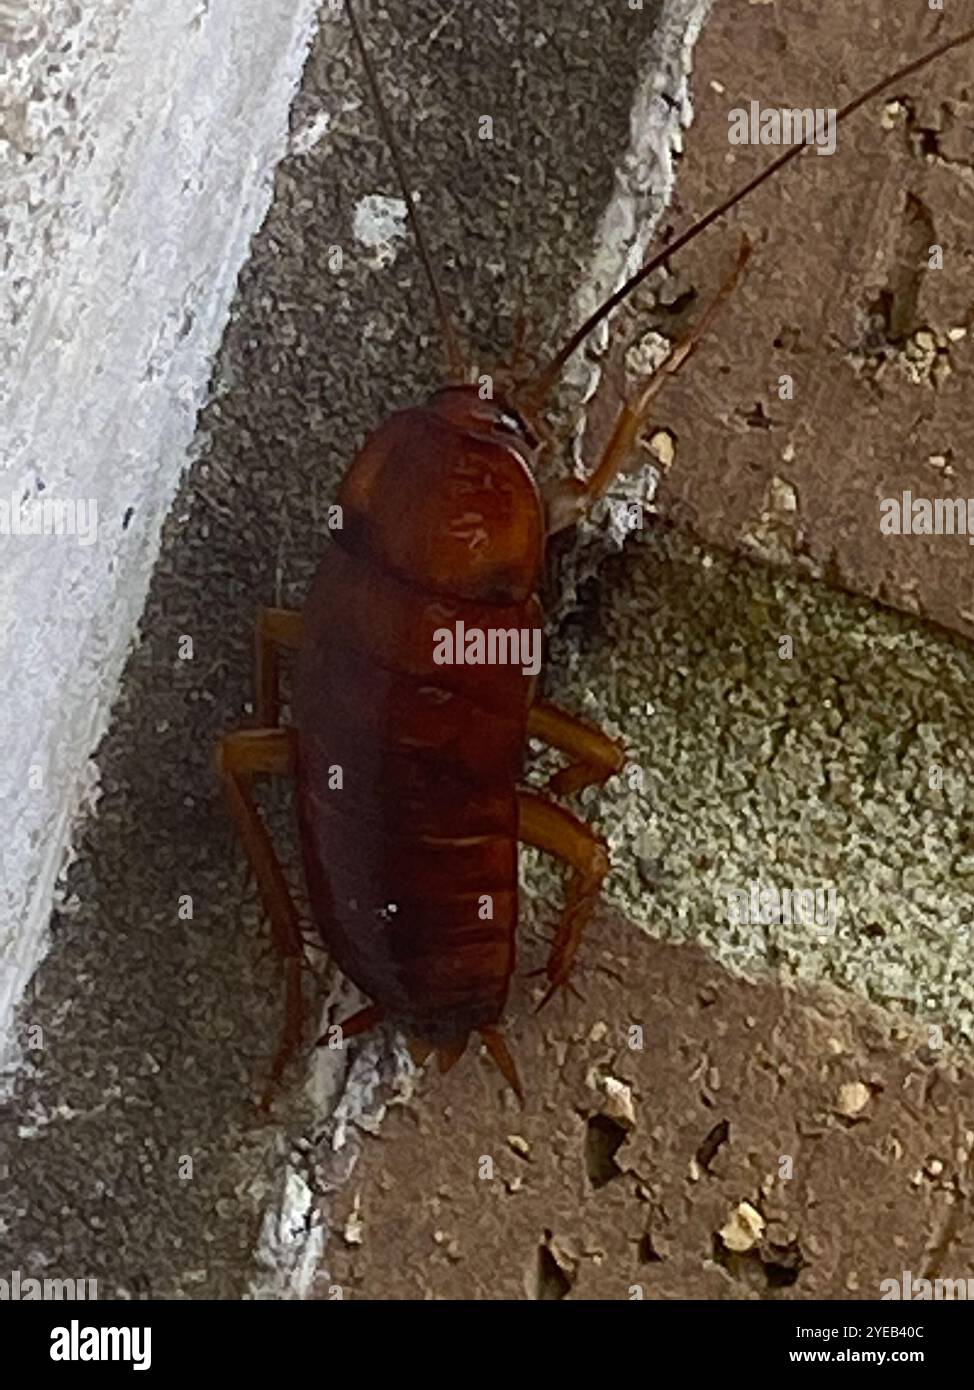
(536, 395)
(454, 356)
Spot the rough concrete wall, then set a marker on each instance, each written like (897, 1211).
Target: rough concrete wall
(138, 145)
(842, 295)
(687, 1135)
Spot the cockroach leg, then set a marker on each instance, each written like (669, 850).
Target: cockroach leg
(240, 757)
(556, 831)
(568, 499)
(276, 628)
(359, 1022)
(597, 757)
(419, 1051)
(448, 1055)
(498, 1050)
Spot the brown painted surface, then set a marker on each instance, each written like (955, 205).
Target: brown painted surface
(838, 296)
(761, 1144)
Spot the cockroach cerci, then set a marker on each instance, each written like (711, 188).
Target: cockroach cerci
(415, 683)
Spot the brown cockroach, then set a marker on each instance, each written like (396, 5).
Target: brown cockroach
(409, 813)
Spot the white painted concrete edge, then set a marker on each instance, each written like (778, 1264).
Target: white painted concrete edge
(137, 147)
(645, 182)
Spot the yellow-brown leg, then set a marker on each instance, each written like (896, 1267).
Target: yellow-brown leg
(568, 499)
(549, 827)
(276, 628)
(596, 757)
(240, 757)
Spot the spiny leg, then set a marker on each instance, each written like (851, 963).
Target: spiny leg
(498, 1050)
(568, 499)
(597, 757)
(276, 628)
(556, 831)
(449, 1054)
(241, 756)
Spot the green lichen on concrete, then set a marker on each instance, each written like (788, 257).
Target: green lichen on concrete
(847, 764)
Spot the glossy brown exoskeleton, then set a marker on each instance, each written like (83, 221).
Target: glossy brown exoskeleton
(406, 765)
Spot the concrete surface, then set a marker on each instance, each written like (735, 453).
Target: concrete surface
(136, 150)
(734, 1154)
(156, 1028)
(845, 765)
(839, 296)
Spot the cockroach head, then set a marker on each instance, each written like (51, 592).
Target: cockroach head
(495, 416)
(445, 497)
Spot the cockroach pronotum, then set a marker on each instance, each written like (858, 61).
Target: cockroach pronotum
(406, 767)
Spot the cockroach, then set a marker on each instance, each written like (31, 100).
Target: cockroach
(407, 767)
